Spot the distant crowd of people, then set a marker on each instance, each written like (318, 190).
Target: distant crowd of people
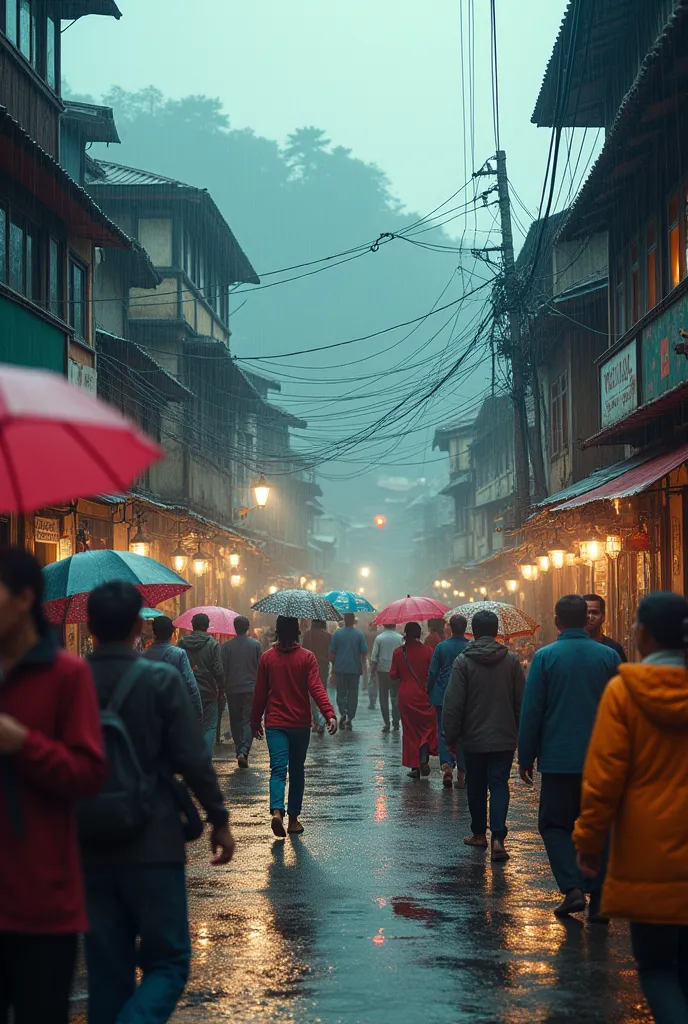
(104, 763)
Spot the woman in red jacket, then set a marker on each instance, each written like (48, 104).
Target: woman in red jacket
(51, 755)
(288, 676)
(410, 664)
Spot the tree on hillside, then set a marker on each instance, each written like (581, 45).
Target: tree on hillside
(305, 152)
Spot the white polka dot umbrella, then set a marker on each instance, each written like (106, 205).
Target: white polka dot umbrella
(298, 604)
(513, 623)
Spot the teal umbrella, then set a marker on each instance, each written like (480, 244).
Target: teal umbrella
(151, 613)
(69, 581)
(347, 601)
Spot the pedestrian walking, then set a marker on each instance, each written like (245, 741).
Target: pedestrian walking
(134, 861)
(348, 649)
(443, 658)
(410, 665)
(51, 756)
(564, 688)
(597, 613)
(162, 649)
(384, 647)
(317, 640)
(436, 633)
(635, 784)
(240, 658)
(206, 662)
(371, 677)
(482, 707)
(287, 676)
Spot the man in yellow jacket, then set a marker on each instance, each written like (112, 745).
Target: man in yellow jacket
(635, 784)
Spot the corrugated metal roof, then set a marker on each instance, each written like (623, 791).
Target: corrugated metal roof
(592, 482)
(119, 174)
(70, 10)
(634, 481)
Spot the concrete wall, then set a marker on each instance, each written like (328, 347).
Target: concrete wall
(154, 303)
(109, 295)
(155, 235)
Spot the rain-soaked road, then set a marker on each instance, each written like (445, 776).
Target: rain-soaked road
(380, 914)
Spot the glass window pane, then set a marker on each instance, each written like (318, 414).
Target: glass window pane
(54, 277)
(31, 260)
(77, 299)
(25, 27)
(675, 256)
(16, 256)
(652, 279)
(11, 20)
(51, 54)
(3, 244)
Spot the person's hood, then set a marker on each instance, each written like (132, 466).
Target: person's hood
(660, 691)
(287, 650)
(194, 641)
(486, 651)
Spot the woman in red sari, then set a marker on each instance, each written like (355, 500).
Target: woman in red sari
(410, 664)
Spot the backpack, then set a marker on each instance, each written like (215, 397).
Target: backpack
(125, 805)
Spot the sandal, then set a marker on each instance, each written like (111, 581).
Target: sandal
(277, 826)
(479, 841)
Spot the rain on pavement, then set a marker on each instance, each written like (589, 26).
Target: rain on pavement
(380, 914)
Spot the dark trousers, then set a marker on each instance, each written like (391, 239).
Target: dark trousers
(125, 903)
(389, 691)
(489, 772)
(288, 749)
(36, 973)
(560, 799)
(661, 952)
(347, 693)
(239, 706)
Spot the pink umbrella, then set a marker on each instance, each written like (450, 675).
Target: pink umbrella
(410, 609)
(221, 619)
(58, 442)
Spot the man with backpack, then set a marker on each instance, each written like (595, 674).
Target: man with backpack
(133, 835)
(206, 661)
(162, 649)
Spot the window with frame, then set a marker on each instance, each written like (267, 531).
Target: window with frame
(651, 266)
(20, 258)
(620, 297)
(55, 277)
(77, 297)
(559, 416)
(674, 234)
(35, 33)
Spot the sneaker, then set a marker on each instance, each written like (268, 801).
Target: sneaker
(242, 761)
(385, 728)
(572, 903)
(447, 775)
(594, 914)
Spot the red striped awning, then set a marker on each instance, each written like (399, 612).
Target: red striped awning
(635, 481)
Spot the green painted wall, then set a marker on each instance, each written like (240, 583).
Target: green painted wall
(662, 369)
(28, 340)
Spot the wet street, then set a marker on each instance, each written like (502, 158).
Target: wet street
(379, 913)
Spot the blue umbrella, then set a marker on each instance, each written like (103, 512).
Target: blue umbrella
(151, 613)
(347, 601)
(69, 581)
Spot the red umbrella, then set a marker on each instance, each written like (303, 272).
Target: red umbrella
(221, 619)
(410, 609)
(58, 442)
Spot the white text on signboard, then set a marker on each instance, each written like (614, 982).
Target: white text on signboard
(619, 385)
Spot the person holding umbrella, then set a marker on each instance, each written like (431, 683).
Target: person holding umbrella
(288, 676)
(410, 665)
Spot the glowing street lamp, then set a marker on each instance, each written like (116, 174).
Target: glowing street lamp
(234, 559)
(365, 572)
(542, 560)
(200, 562)
(139, 544)
(512, 586)
(557, 553)
(262, 492)
(613, 545)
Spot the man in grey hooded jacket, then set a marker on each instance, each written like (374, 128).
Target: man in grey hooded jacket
(481, 710)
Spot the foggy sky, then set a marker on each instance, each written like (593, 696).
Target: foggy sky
(382, 77)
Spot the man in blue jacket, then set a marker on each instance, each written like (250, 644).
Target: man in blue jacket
(443, 658)
(565, 685)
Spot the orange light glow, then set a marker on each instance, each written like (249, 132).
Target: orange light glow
(380, 522)
(379, 939)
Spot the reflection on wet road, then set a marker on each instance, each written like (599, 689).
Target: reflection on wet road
(380, 914)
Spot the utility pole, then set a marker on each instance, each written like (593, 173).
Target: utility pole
(516, 355)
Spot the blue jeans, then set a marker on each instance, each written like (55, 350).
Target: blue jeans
(211, 714)
(489, 771)
(347, 693)
(446, 756)
(126, 902)
(288, 749)
(661, 952)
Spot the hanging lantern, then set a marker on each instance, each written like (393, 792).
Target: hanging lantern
(542, 560)
(272, 590)
(512, 586)
(139, 544)
(483, 591)
(529, 569)
(236, 580)
(613, 545)
(591, 550)
(570, 559)
(234, 559)
(179, 559)
(262, 492)
(200, 562)
(557, 553)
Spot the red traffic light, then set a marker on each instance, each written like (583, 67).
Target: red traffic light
(380, 522)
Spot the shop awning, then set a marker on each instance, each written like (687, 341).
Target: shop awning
(599, 478)
(632, 429)
(634, 481)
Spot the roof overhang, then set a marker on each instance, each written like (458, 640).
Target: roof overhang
(634, 481)
(95, 123)
(651, 417)
(24, 160)
(71, 10)
(137, 358)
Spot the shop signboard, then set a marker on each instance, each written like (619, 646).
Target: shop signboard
(663, 369)
(83, 376)
(619, 385)
(46, 531)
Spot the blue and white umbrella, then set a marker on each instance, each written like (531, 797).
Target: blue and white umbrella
(347, 601)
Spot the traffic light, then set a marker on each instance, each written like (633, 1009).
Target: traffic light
(380, 522)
